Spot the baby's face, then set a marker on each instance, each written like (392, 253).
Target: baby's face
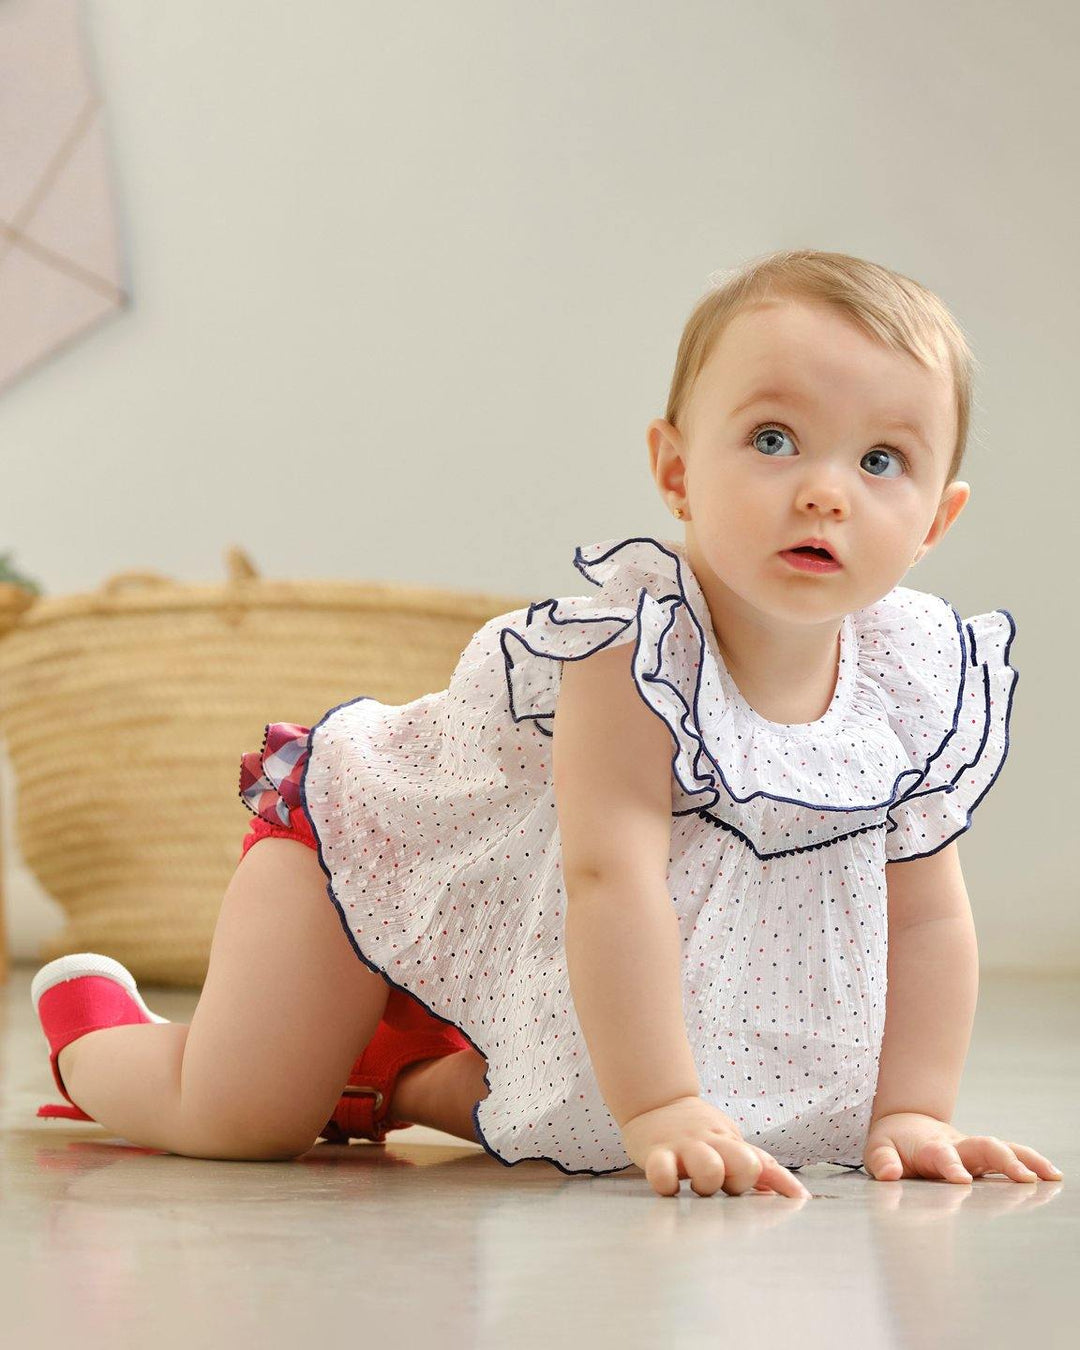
(793, 429)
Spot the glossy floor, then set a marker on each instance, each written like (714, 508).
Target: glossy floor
(427, 1240)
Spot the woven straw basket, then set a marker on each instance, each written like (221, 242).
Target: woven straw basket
(126, 713)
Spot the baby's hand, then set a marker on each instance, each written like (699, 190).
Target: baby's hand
(908, 1144)
(690, 1138)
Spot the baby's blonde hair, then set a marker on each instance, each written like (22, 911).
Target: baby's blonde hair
(888, 306)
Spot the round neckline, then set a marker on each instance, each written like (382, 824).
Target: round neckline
(841, 698)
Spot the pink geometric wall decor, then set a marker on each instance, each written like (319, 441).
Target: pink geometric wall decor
(60, 265)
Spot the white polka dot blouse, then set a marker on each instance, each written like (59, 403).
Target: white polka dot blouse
(438, 834)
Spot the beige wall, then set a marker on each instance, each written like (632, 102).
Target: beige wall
(408, 281)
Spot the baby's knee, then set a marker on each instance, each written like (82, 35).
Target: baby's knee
(235, 1134)
(238, 1147)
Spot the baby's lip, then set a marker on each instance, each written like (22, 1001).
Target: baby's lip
(815, 543)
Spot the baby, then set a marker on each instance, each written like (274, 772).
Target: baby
(627, 891)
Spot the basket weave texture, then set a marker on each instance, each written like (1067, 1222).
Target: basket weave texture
(126, 713)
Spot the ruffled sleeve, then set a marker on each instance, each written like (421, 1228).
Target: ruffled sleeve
(641, 600)
(949, 687)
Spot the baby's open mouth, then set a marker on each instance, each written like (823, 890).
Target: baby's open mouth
(816, 558)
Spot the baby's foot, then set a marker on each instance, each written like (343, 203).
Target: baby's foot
(74, 996)
(441, 1093)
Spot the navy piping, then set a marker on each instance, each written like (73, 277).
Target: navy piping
(951, 785)
(705, 814)
(581, 563)
(652, 676)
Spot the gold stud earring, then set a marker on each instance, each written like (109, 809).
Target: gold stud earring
(679, 512)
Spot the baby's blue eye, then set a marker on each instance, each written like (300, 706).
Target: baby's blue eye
(879, 455)
(773, 432)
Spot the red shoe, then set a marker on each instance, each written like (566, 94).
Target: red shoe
(76, 994)
(407, 1033)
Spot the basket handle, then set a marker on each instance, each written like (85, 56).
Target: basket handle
(238, 565)
(14, 602)
(125, 580)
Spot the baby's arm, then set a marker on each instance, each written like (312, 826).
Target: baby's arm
(612, 775)
(933, 971)
(932, 986)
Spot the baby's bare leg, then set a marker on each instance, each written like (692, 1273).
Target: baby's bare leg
(441, 1093)
(286, 1007)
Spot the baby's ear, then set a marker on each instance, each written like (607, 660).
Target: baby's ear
(666, 457)
(953, 500)
(656, 434)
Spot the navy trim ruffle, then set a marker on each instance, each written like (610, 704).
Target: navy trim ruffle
(952, 784)
(548, 628)
(689, 746)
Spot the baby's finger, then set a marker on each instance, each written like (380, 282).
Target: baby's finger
(662, 1172)
(778, 1178)
(884, 1163)
(705, 1167)
(1036, 1161)
(938, 1158)
(994, 1155)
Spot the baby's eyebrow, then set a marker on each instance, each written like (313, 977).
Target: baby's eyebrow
(913, 431)
(773, 396)
(803, 400)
